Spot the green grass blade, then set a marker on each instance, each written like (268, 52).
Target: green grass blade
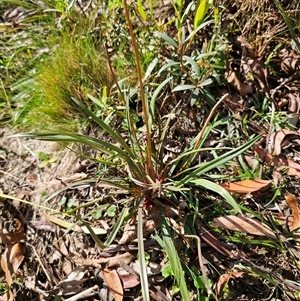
(103, 146)
(94, 236)
(201, 12)
(288, 23)
(117, 226)
(218, 189)
(217, 162)
(104, 126)
(142, 259)
(169, 247)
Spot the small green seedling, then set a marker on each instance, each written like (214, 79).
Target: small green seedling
(45, 159)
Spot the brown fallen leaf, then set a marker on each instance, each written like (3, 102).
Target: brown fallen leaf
(293, 169)
(12, 232)
(150, 223)
(242, 88)
(293, 204)
(245, 224)
(213, 241)
(225, 278)
(11, 259)
(247, 186)
(278, 138)
(129, 280)
(113, 283)
(289, 61)
(293, 101)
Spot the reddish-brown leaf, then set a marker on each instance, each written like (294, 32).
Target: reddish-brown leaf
(247, 186)
(129, 281)
(292, 202)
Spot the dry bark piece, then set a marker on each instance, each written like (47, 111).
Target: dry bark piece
(245, 224)
(292, 202)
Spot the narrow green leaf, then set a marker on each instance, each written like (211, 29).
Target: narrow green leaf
(206, 82)
(200, 13)
(187, 12)
(141, 10)
(95, 101)
(150, 68)
(94, 236)
(104, 126)
(193, 64)
(169, 247)
(168, 39)
(184, 87)
(156, 93)
(103, 146)
(218, 189)
(142, 259)
(217, 162)
(192, 34)
(117, 226)
(170, 63)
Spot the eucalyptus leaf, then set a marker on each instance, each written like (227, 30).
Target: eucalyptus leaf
(168, 39)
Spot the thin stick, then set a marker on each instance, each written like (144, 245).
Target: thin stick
(201, 264)
(204, 128)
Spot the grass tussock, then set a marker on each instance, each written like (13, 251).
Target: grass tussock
(72, 72)
(75, 68)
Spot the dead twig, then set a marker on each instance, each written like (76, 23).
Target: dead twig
(201, 264)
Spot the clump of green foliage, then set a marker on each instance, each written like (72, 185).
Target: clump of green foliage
(76, 67)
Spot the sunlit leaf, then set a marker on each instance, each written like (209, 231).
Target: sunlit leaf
(184, 87)
(168, 244)
(217, 189)
(168, 39)
(246, 186)
(201, 12)
(141, 10)
(142, 259)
